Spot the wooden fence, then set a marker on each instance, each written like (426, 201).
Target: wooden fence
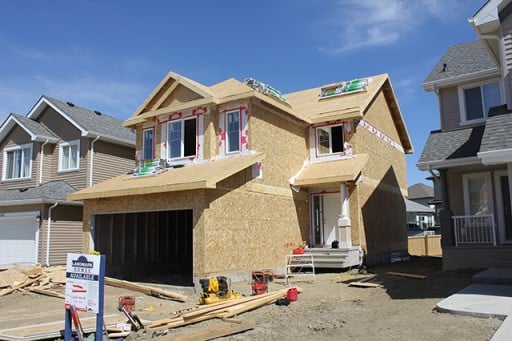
(425, 245)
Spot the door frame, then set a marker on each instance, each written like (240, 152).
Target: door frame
(321, 194)
(499, 205)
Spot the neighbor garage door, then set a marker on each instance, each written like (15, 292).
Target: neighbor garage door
(18, 237)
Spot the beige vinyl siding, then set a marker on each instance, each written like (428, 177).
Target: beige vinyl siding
(75, 178)
(111, 160)
(506, 32)
(66, 233)
(17, 137)
(449, 106)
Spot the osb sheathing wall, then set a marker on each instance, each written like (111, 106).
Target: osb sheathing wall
(246, 223)
(381, 225)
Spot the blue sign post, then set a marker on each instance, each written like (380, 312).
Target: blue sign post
(85, 289)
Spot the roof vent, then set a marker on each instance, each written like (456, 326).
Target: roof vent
(71, 104)
(97, 112)
(445, 67)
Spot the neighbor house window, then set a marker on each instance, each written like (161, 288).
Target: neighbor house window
(69, 155)
(147, 144)
(477, 99)
(477, 194)
(17, 163)
(233, 131)
(182, 138)
(329, 140)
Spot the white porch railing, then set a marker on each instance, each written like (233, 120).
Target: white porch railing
(474, 229)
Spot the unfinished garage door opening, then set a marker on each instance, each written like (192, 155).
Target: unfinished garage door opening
(153, 247)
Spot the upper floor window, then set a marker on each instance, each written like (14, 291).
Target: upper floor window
(147, 144)
(329, 140)
(18, 162)
(233, 131)
(69, 155)
(182, 138)
(477, 99)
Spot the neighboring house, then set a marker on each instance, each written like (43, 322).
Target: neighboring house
(56, 149)
(421, 211)
(243, 175)
(471, 155)
(419, 217)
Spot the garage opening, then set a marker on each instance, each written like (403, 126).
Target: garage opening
(154, 247)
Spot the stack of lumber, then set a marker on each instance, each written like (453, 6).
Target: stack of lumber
(41, 280)
(223, 310)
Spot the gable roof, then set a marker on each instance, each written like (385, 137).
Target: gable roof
(35, 130)
(90, 123)
(461, 63)
(420, 190)
(412, 206)
(176, 93)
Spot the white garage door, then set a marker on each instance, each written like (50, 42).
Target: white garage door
(18, 237)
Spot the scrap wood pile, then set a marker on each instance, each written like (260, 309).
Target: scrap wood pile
(42, 280)
(223, 310)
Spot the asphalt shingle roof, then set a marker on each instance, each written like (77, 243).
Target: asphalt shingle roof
(497, 133)
(35, 127)
(452, 144)
(96, 123)
(462, 59)
(412, 206)
(51, 191)
(420, 190)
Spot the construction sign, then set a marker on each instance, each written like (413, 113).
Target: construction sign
(82, 282)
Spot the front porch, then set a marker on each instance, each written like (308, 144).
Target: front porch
(331, 258)
(477, 244)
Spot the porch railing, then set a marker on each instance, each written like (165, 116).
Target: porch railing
(474, 229)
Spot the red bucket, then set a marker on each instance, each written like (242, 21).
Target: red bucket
(292, 294)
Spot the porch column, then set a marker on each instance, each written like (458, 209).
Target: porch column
(345, 238)
(445, 215)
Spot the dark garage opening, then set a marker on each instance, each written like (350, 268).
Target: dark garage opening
(153, 247)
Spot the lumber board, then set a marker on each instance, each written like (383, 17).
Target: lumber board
(19, 286)
(47, 292)
(402, 274)
(210, 332)
(364, 285)
(152, 291)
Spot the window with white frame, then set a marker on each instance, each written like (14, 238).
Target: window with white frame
(147, 144)
(182, 138)
(69, 155)
(329, 140)
(17, 162)
(233, 131)
(477, 194)
(477, 99)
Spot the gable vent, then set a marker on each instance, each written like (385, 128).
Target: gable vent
(71, 104)
(97, 112)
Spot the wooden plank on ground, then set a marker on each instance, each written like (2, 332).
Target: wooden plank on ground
(364, 285)
(210, 332)
(47, 292)
(22, 285)
(145, 289)
(402, 274)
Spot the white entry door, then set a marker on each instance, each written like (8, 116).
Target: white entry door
(326, 209)
(18, 238)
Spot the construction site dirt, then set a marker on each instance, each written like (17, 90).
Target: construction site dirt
(390, 302)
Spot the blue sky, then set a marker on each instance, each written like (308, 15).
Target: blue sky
(109, 55)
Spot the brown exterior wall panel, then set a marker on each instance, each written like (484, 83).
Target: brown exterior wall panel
(111, 160)
(449, 106)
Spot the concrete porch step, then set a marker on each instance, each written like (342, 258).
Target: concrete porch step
(334, 258)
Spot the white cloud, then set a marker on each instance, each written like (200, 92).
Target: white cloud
(365, 23)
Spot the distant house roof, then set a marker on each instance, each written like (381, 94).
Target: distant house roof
(90, 123)
(445, 147)
(51, 192)
(411, 206)
(461, 62)
(420, 190)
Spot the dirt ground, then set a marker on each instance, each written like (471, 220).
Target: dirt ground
(400, 308)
